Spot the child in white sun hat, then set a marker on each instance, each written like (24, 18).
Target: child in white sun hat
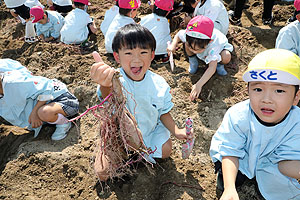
(203, 41)
(260, 137)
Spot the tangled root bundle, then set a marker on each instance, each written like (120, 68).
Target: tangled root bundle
(120, 138)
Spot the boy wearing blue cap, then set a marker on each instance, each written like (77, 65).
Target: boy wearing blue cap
(260, 137)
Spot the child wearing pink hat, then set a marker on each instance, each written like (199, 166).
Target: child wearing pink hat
(203, 41)
(47, 23)
(127, 11)
(109, 16)
(289, 36)
(158, 25)
(78, 25)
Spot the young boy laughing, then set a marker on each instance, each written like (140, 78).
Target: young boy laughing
(260, 137)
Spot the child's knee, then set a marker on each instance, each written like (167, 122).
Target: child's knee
(167, 149)
(226, 56)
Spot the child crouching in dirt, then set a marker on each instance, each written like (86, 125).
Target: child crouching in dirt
(260, 137)
(134, 48)
(78, 25)
(29, 101)
(48, 23)
(202, 41)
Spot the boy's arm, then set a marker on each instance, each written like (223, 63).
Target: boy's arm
(102, 74)
(290, 168)
(169, 123)
(196, 89)
(230, 167)
(172, 46)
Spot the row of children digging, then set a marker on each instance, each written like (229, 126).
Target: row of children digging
(75, 28)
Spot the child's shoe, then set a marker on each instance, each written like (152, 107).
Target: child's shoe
(268, 21)
(61, 131)
(233, 20)
(31, 39)
(221, 70)
(193, 60)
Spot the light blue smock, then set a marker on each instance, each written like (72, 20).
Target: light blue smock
(260, 148)
(289, 38)
(53, 26)
(147, 100)
(22, 90)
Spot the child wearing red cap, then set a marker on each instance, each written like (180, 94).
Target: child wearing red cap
(78, 24)
(202, 41)
(48, 23)
(159, 26)
(127, 11)
(213, 9)
(61, 6)
(289, 36)
(21, 10)
(109, 16)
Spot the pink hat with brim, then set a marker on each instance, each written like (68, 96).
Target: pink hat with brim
(297, 4)
(85, 2)
(129, 4)
(200, 27)
(37, 13)
(164, 4)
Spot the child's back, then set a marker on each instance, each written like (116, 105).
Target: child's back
(158, 25)
(216, 11)
(108, 18)
(127, 11)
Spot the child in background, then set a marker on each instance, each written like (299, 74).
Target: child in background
(127, 11)
(29, 101)
(289, 36)
(134, 48)
(202, 41)
(260, 137)
(213, 9)
(109, 16)
(20, 9)
(158, 25)
(78, 25)
(48, 23)
(61, 6)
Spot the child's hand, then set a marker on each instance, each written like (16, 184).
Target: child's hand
(230, 195)
(101, 73)
(196, 89)
(34, 119)
(171, 48)
(181, 134)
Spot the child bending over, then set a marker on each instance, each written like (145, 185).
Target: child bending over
(202, 41)
(78, 24)
(48, 23)
(260, 137)
(29, 101)
(109, 16)
(127, 11)
(134, 48)
(158, 25)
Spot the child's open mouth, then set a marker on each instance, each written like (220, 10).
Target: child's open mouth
(267, 111)
(136, 70)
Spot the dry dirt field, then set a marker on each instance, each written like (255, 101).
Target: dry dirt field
(38, 168)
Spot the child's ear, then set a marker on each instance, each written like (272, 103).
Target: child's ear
(116, 56)
(297, 97)
(152, 55)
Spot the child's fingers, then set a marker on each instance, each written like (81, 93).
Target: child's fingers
(97, 57)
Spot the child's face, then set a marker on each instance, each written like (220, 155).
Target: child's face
(196, 49)
(195, 4)
(272, 101)
(135, 62)
(44, 20)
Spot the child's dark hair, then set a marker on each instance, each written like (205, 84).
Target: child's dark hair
(196, 42)
(124, 11)
(189, 2)
(132, 36)
(159, 11)
(78, 5)
(117, 3)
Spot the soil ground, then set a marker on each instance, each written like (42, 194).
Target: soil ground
(38, 168)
